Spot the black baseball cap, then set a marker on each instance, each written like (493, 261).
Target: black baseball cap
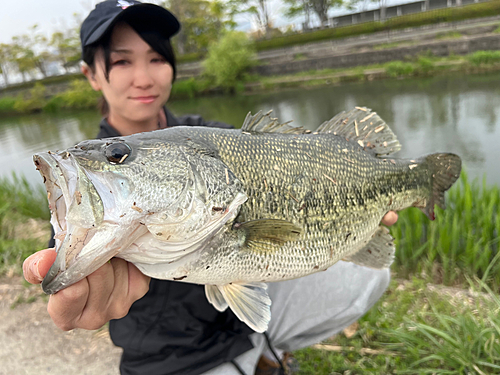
(107, 13)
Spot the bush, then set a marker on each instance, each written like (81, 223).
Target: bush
(484, 57)
(189, 57)
(7, 104)
(34, 101)
(424, 65)
(187, 88)
(399, 68)
(80, 95)
(229, 59)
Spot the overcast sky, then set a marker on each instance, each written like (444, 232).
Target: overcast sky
(16, 16)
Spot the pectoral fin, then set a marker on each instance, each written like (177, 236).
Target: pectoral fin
(249, 302)
(378, 253)
(268, 233)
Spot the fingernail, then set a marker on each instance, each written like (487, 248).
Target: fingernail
(35, 271)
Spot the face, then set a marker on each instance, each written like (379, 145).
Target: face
(139, 82)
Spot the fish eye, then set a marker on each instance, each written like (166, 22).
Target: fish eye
(116, 153)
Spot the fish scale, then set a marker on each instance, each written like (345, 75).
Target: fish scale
(233, 209)
(354, 206)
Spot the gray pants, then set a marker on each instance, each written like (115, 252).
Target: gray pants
(308, 310)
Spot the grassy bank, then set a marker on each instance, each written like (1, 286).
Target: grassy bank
(420, 326)
(24, 226)
(422, 66)
(416, 328)
(81, 96)
(463, 241)
(454, 14)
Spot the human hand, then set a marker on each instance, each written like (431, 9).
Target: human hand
(390, 218)
(106, 294)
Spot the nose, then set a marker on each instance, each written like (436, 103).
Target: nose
(142, 77)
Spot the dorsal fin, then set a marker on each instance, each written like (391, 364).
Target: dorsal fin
(264, 123)
(365, 128)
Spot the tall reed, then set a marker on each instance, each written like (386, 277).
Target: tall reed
(462, 241)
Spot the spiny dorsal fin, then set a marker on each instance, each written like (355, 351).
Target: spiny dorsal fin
(365, 128)
(265, 234)
(264, 123)
(377, 253)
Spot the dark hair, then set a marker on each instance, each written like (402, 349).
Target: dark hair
(154, 38)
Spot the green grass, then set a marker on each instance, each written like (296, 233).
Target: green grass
(383, 46)
(24, 226)
(449, 35)
(7, 104)
(485, 9)
(463, 241)
(80, 95)
(417, 328)
(484, 58)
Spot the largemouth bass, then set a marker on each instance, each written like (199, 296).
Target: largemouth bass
(234, 209)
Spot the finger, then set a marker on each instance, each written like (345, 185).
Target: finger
(390, 218)
(66, 306)
(138, 283)
(119, 301)
(36, 266)
(101, 284)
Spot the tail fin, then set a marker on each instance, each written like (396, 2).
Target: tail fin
(445, 170)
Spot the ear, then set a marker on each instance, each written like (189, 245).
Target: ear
(87, 72)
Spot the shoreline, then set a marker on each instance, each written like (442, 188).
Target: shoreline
(79, 95)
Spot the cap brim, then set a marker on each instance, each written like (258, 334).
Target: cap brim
(155, 16)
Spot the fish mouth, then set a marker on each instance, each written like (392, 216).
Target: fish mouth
(83, 240)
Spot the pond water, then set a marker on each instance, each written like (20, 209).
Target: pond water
(454, 113)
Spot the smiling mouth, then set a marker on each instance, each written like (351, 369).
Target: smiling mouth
(144, 99)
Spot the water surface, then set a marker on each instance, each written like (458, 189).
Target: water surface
(459, 114)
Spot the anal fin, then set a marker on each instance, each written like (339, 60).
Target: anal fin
(215, 297)
(377, 253)
(249, 302)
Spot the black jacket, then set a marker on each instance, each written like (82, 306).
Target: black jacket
(173, 329)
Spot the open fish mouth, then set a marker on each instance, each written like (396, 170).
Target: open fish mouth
(60, 174)
(84, 242)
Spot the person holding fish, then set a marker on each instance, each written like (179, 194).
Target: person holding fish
(168, 327)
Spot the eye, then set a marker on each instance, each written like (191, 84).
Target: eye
(158, 59)
(117, 152)
(119, 62)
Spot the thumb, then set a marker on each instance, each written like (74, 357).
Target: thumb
(36, 266)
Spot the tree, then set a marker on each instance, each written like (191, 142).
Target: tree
(298, 7)
(5, 61)
(67, 48)
(320, 7)
(203, 22)
(29, 52)
(259, 9)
